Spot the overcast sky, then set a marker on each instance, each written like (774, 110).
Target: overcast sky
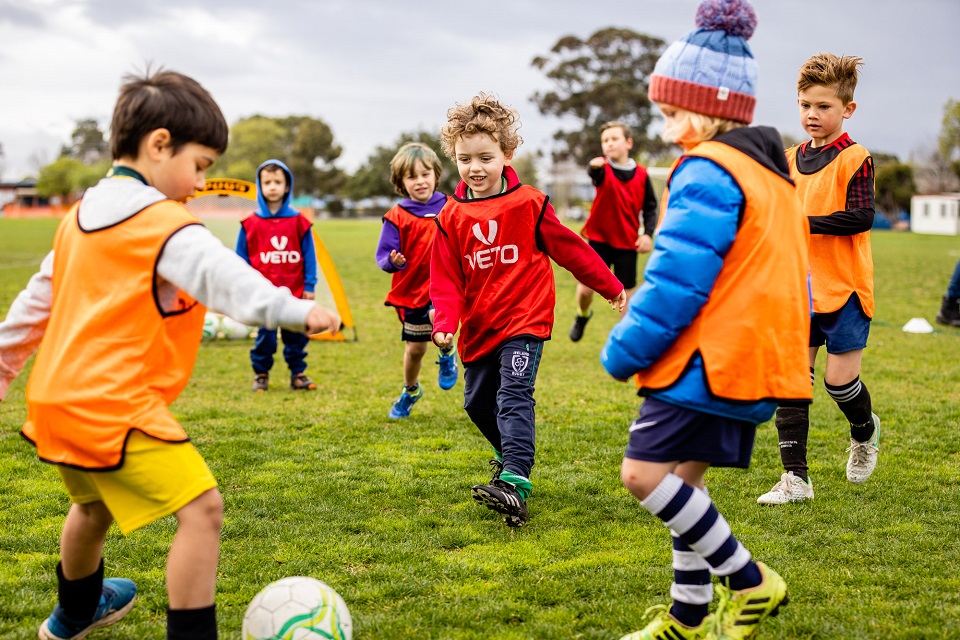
(373, 69)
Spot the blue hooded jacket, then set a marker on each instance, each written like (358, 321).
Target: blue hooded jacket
(705, 204)
(307, 247)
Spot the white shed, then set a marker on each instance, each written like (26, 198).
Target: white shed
(937, 214)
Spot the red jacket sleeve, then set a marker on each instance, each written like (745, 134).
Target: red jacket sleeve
(446, 283)
(569, 250)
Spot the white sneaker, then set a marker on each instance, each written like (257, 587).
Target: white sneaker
(790, 489)
(863, 455)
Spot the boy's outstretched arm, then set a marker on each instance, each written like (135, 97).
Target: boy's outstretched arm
(26, 321)
(197, 262)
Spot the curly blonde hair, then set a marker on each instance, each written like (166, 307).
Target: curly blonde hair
(483, 114)
(829, 70)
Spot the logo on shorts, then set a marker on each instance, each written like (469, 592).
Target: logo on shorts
(521, 360)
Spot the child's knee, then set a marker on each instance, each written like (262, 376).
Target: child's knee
(417, 349)
(206, 511)
(95, 513)
(632, 480)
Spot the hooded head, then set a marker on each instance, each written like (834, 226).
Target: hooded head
(269, 194)
(711, 70)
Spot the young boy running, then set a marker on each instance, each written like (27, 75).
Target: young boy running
(613, 227)
(490, 275)
(834, 177)
(406, 239)
(117, 310)
(277, 241)
(715, 333)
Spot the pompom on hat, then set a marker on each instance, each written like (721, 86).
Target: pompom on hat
(711, 70)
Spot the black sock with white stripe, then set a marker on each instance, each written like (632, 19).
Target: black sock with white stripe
(854, 401)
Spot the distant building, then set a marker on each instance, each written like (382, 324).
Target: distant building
(935, 214)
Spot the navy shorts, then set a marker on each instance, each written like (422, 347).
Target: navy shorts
(623, 261)
(665, 432)
(417, 326)
(843, 330)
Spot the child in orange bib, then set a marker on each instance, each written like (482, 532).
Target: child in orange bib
(118, 308)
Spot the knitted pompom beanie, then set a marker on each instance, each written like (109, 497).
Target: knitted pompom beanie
(711, 70)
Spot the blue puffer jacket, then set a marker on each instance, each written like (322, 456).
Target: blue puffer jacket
(703, 218)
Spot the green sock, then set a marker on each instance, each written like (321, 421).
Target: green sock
(523, 485)
(498, 455)
(584, 314)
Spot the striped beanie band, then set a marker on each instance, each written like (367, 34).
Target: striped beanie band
(711, 70)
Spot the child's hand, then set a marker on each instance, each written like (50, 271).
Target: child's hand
(598, 162)
(397, 258)
(308, 295)
(321, 319)
(620, 301)
(644, 243)
(443, 340)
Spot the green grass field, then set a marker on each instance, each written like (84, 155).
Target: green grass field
(323, 484)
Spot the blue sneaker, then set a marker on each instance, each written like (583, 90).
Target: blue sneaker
(448, 370)
(401, 408)
(116, 600)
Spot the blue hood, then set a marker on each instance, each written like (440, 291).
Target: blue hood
(285, 210)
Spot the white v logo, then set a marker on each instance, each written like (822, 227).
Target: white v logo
(279, 243)
(488, 240)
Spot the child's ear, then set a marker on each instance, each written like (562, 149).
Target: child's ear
(156, 142)
(849, 109)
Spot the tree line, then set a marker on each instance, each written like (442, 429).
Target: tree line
(603, 77)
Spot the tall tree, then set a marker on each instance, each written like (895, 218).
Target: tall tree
(304, 144)
(312, 155)
(373, 177)
(87, 143)
(602, 78)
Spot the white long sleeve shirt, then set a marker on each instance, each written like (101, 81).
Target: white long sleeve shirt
(193, 260)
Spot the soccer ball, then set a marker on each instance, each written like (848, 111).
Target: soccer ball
(297, 608)
(233, 330)
(211, 325)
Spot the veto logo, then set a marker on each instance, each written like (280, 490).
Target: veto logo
(486, 258)
(279, 255)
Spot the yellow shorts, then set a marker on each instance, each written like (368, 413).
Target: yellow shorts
(157, 478)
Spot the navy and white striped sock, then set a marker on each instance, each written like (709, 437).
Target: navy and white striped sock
(691, 514)
(692, 591)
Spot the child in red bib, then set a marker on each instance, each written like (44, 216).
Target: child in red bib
(406, 239)
(614, 228)
(491, 277)
(277, 241)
